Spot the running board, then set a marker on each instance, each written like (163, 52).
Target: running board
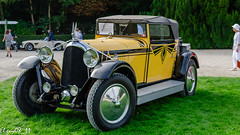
(158, 90)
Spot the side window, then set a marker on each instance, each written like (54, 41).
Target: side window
(160, 34)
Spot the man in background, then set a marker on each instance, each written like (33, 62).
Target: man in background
(78, 34)
(51, 38)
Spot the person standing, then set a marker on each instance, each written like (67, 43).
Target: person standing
(236, 47)
(78, 34)
(13, 35)
(8, 38)
(51, 38)
(14, 42)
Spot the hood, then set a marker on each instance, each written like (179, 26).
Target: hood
(32, 41)
(115, 43)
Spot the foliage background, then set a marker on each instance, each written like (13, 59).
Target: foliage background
(203, 23)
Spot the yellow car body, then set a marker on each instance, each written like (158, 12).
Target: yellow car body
(151, 62)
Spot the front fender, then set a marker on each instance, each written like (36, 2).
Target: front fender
(106, 68)
(28, 62)
(182, 63)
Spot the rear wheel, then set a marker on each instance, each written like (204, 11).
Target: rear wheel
(26, 93)
(190, 79)
(58, 48)
(111, 102)
(29, 47)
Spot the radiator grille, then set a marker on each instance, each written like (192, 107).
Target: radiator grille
(74, 71)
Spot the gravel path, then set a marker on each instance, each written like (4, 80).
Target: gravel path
(212, 63)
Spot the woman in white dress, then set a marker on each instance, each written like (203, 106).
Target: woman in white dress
(236, 47)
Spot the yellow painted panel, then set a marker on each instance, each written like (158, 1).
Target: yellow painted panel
(161, 62)
(138, 63)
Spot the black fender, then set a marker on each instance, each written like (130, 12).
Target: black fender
(28, 62)
(106, 68)
(182, 63)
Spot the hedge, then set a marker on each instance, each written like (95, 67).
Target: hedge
(22, 38)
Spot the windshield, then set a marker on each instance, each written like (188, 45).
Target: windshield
(126, 29)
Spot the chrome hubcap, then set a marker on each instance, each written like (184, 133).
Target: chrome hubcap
(114, 103)
(191, 77)
(29, 47)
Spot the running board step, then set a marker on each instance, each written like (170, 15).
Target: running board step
(158, 90)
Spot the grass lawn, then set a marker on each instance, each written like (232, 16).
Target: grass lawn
(214, 109)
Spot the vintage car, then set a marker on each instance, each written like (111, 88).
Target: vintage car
(133, 59)
(29, 45)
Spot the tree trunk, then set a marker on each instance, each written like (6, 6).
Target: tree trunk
(31, 10)
(49, 14)
(1, 10)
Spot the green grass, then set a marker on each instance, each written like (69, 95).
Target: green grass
(214, 109)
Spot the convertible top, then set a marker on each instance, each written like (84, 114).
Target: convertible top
(142, 19)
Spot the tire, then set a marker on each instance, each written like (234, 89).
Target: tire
(29, 47)
(106, 111)
(26, 92)
(58, 48)
(190, 80)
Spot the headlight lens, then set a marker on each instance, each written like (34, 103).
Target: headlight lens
(90, 58)
(45, 54)
(46, 87)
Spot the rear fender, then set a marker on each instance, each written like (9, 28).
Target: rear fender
(182, 63)
(28, 62)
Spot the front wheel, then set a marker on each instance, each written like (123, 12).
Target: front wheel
(190, 79)
(111, 102)
(26, 93)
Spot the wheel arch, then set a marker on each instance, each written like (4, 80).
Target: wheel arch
(107, 68)
(182, 63)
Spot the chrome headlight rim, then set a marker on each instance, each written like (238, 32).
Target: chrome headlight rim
(41, 51)
(93, 54)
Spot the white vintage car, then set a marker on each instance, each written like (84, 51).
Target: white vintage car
(29, 45)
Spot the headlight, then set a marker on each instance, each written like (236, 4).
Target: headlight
(45, 54)
(74, 90)
(90, 58)
(46, 87)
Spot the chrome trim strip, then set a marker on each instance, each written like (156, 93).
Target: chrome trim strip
(84, 46)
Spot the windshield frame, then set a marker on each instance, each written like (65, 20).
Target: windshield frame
(144, 35)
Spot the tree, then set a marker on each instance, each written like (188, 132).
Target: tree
(204, 24)
(91, 8)
(2, 2)
(31, 11)
(49, 14)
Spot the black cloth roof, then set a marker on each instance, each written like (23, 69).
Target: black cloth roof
(142, 19)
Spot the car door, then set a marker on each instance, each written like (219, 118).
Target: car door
(163, 52)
